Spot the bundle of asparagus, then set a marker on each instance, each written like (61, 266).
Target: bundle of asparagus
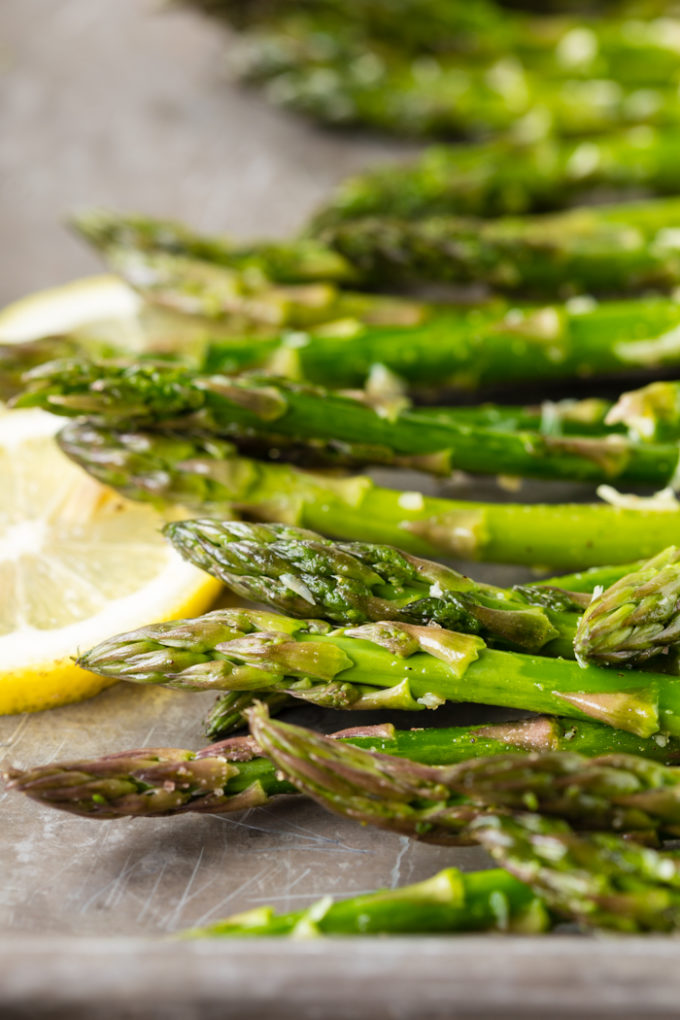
(597, 250)
(599, 880)
(444, 69)
(204, 474)
(411, 634)
(312, 425)
(233, 774)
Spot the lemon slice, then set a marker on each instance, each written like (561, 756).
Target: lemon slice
(78, 563)
(94, 301)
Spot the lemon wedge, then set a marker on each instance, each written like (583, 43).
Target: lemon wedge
(78, 562)
(93, 301)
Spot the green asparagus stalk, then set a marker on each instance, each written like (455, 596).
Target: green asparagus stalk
(344, 80)
(605, 47)
(232, 774)
(432, 348)
(604, 250)
(302, 261)
(566, 417)
(302, 574)
(583, 581)
(439, 804)
(204, 475)
(289, 414)
(600, 881)
(380, 665)
(450, 901)
(503, 177)
(438, 348)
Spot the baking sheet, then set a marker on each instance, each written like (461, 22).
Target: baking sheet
(115, 103)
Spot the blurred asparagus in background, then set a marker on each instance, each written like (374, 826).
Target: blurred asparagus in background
(451, 70)
(300, 261)
(507, 178)
(604, 250)
(433, 350)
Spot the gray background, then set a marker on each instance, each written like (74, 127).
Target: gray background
(127, 103)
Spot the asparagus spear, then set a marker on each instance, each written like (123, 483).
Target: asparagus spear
(300, 573)
(599, 881)
(430, 345)
(442, 347)
(639, 609)
(365, 422)
(302, 261)
(558, 46)
(617, 248)
(439, 804)
(583, 581)
(507, 178)
(431, 348)
(379, 665)
(345, 78)
(566, 417)
(443, 248)
(285, 413)
(204, 475)
(612, 248)
(450, 901)
(232, 774)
